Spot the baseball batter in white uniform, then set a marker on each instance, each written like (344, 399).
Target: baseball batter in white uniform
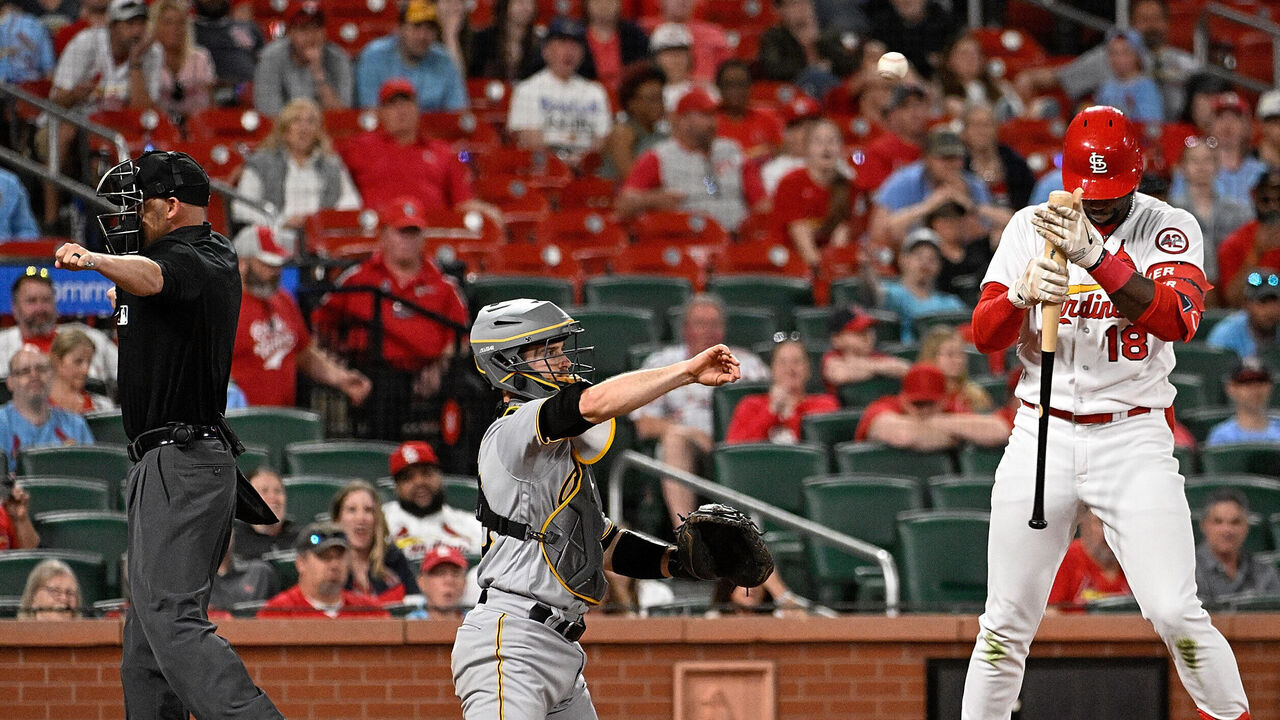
(516, 656)
(1134, 287)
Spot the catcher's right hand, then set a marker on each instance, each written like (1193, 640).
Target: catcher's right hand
(1043, 281)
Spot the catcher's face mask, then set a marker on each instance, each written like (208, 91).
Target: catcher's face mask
(122, 230)
(556, 362)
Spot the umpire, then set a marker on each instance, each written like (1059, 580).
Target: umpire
(177, 301)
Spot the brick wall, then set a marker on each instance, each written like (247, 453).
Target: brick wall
(859, 667)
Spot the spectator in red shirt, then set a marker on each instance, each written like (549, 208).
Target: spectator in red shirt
(1089, 570)
(775, 416)
(853, 356)
(757, 129)
(397, 160)
(272, 341)
(1256, 244)
(415, 347)
(816, 199)
(906, 124)
(917, 418)
(322, 571)
(16, 530)
(612, 43)
(710, 43)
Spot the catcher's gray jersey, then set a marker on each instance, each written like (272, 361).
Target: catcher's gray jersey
(549, 486)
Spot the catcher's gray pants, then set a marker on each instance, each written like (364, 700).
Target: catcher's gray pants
(180, 504)
(508, 667)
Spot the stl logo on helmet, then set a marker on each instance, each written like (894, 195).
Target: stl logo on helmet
(1097, 164)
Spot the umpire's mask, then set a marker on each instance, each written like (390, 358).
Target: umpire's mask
(155, 174)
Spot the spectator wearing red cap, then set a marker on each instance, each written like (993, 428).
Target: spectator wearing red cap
(323, 568)
(555, 108)
(692, 170)
(443, 582)
(797, 50)
(397, 160)
(272, 341)
(916, 418)
(853, 356)
(708, 41)
(419, 519)
(412, 52)
(303, 64)
(817, 200)
(757, 129)
(775, 416)
(640, 125)
(415, 347)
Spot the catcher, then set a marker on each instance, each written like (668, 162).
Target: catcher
(548, 542)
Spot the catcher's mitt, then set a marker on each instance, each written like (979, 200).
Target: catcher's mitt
(716, 541)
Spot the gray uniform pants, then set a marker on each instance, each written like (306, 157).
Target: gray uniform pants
(180, 503)
(508, 667)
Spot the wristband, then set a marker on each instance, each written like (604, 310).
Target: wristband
(1110, 273)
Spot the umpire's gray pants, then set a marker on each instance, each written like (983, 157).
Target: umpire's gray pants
(180, 502)
(508, 667)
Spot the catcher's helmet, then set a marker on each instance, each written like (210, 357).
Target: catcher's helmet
(1101, 154)
(502, 330)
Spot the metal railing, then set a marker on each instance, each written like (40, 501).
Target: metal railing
(1200, 44)
(809, 528)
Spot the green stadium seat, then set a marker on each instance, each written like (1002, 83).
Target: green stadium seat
(1248, 602)
(961, 492)
(975, 460)
(744, 327)
(778, 293)
(658, 294)
(253, 457)
(725, 399)
(489, 289)
(996, 387)
(107, 426)
(1192, 392)
(830, 429)
(769, 472)
(637, 354)
(90, 531)
(54, 494)
(309, 497)
(852, 291)
(1272, 557)
(1211, 317)
(813, 324)
(1114, 604)
(949, 318)
(943, 559)
(90, 570)
(1188, 461)
(9, 605)
(862, 394)
(349, 459)
(285, 565)
(861, 506)
(1262, 493)
(1202, 419)
(463, 491)
(109, 463)
(612, 330)
(275, 428)
(871, 457)
(1211, 364)
(1251, 458)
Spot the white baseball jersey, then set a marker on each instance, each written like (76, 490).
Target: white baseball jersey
(449, 526)
(1103, 364)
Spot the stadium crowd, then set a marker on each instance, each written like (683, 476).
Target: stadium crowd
(687, 172)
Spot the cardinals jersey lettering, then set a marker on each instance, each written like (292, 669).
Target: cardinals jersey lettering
(1104, 363)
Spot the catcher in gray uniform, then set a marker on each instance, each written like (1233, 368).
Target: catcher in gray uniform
(548, 543)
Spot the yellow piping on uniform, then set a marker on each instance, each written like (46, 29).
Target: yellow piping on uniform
(498, 653)
(523, 334)
(613, 426)
(608, 526)
(1080, 289)
(577, 487)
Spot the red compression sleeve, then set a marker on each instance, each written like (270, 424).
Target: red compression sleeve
(1175, 311)
(996, 321)
(1111, 273)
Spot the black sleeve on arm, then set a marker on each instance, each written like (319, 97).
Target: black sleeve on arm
(639, 556)
(560, 417)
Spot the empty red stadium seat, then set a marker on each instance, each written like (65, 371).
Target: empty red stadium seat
(40, 249)
(675, 227)
(588, 192)
(229, 125)
(463, 129)
(543, 169)
(659, 258)
(352, 34)
(761, 256)
(351, 121)
(736, 13)
(581, 228)
(218, 158)
(141, 128)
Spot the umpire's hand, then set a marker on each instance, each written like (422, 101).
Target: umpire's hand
(75, 257)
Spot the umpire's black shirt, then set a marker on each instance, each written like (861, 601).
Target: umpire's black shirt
(175, 346)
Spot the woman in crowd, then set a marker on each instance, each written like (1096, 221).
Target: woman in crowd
(186, 69)
(378, 568)
(964, 78)
(815, 199)
(641, 127)
(508, 49)
(1000, 167)
(52, 593)
(1195, 191)
(943, 347)
(71, 354)
(295, 170)
(613, 43)
(775, 416)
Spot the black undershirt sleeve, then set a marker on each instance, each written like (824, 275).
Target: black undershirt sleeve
(560, 417)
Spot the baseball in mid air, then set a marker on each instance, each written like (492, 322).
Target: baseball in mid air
(892, 66)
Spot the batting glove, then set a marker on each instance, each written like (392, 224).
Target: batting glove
(1067, 229)
(1043, 281)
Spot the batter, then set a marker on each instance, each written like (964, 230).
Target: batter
(548, 543)
(1134, 286)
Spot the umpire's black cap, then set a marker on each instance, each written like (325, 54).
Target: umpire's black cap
(162, 174)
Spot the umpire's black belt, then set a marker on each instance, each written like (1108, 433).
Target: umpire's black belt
(179, 434)
(541, 613)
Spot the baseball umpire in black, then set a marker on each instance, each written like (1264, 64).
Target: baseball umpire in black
(177, 301)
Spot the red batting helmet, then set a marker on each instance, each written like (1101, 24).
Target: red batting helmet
(1101, 154)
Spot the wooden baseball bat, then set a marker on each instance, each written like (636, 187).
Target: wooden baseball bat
(1048, 346)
